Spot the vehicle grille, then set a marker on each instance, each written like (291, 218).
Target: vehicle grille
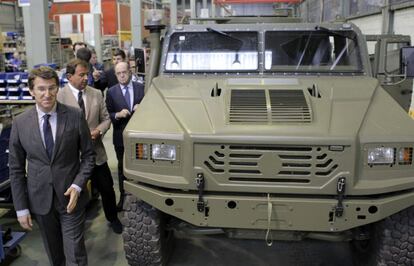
(269, 106)
(269, 163)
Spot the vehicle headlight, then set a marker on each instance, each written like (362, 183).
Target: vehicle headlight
(163, 152)
(381, 155)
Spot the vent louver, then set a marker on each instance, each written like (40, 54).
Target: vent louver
(289, 106)
(248, 106)
(276, 106)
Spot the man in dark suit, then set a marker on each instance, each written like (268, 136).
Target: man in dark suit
(77, 94)
(52, 141)
(122, 100)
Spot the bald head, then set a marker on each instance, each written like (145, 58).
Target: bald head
(123, 73)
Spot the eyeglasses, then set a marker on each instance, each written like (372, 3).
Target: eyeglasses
(43, 90)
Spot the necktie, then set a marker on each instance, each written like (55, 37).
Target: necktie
(127, 99)
(81, 102)
(47, 131)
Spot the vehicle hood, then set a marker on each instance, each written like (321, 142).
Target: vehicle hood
(261, 109)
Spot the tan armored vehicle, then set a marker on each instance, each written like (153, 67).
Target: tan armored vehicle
(273, 131)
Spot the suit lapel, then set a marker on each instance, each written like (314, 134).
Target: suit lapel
(136, 93)
(89, 101)
(37, 137)
(71, 100)
(60, 128)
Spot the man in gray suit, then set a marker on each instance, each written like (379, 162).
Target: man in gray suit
(77, 94)
(51, 158)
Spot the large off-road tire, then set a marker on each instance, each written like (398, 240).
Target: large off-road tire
(146, 241)
(391, 242)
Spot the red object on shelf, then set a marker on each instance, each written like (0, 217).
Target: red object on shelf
(257, 1)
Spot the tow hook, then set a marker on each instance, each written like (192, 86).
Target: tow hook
(200, 182)
(340, 191)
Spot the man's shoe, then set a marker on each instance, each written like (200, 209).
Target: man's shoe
(116, 226)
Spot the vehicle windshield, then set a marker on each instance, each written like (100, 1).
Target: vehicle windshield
(312, 51)
(320, 50)
(213, 51)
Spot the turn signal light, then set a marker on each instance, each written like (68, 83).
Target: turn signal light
(141, 152)
(405, 156)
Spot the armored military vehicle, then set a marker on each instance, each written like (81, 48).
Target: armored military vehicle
(273, 131)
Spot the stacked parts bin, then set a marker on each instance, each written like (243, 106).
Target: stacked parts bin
(14, 86)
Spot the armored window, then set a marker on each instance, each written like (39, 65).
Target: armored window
(313, 51)
(213, 51)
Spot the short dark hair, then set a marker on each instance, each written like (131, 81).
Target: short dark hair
(43, 72)
(78, 43)
(84, 54)
(71, 66)
(119, 52)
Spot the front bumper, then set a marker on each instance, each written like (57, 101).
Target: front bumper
(287, 213)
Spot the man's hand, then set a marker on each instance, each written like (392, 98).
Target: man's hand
(96, 74)
(25, 222)
(122, 114)
(73, 200)
(135, 107)
(95, 134)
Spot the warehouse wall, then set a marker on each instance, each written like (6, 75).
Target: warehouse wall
(367, 15)
(404, 22)
(369, 25)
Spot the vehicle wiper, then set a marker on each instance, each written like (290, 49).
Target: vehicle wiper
(304, 51)
(228, 36)
(335, 33)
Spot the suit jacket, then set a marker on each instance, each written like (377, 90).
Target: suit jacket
(115, 102)
(96, 115)
(107, 80)
(71, 163)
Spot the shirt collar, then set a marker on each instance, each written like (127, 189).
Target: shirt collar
(129, 85)
(74, 90)
(40, 113)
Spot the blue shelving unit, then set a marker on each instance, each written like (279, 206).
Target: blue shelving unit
(14, 88)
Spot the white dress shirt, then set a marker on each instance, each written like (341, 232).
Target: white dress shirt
(76, 93)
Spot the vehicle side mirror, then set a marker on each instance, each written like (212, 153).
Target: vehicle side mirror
(407, 61)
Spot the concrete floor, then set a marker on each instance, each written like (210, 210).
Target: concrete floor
(106, 248)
